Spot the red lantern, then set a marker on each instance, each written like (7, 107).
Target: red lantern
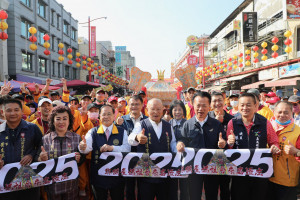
(225, 65)
(255, 48)
(256, 60)
(288, 42)
(84, 57)
(103, 73)
(235, 62)
(275, 40)
(47, 52)
(3, 36)
(264, 51)
(248, 57)
(32, 39)
(221, 63)
(70, 62)
(92, 61)
(214, 65)
(89, 64)
(77, 59)
(83, 67)
(230, 59)
(229, 68)
(241, 55)
(275, 54)
(46, 37)
(61, 52)
(3, 14)
(241, 65)
(69, 50)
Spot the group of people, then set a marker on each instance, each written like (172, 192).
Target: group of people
(41, 125)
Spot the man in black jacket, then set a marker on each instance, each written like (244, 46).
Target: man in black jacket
(202, 131)
(21, 141)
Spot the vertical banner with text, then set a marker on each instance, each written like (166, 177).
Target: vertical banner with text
(250, 27)
(93, 41)
(201, 57)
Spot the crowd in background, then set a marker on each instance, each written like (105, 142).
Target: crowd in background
(41, 125)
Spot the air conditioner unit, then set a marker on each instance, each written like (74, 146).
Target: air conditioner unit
(256, 65)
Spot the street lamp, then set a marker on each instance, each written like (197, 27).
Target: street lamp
(89, 27)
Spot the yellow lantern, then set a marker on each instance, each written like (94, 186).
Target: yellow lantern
(3, 25)
(221, 67)
(103, 69)
(95, 72)
(78, 65)
(70, 56)
(89, 59)
(255, 54)
(240, 60)
(274, 47)
(33, 47)
(264, 45)
(288, 49)
(89, 69)
(287, 34)
(214, 69)
(32, 30)
(234, 57)
(248, 63)
(84, 62)
(46, 45)
(264, 57)
(248, 51)
(96, 64)
(218, 64)
(99, 71)
(210, 73)
(61, 58)
(60, 45)
(235, 66)
(225, 70)
(230, 64)
(225, 61)
(77, 54)
(92, 66)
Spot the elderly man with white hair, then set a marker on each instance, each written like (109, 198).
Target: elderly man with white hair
(153, 135)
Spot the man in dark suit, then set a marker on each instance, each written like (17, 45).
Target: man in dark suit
(202, 131)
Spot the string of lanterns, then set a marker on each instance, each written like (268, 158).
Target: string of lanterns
(3, 25)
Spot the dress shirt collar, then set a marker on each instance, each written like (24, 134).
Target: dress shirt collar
(138, 119)
(109, 128)
(154, 123)
(201, 122)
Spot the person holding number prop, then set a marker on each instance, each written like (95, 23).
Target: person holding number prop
(154, 135)
(283, 185)
(105, 138)
(250, 131)
(202, 131)
(58, 142)
(20, 142)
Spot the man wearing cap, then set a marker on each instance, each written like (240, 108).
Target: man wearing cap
(128, 122)
(113, 101)
(45, 108)
(250, 131)
(269, 95)
(261, 109)
(122, 106)
(272, 101)
(105, 138)
(262, 97)
(100, 97)
(189, 106)
(84, 169)
(185, 97)
(295, 101)
(234, 104)
(286, 163)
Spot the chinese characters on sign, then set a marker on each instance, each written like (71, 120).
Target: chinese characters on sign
(250, 26)
(201, 56)
(93, 41)
(192, 60)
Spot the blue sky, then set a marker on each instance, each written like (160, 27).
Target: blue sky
(155, 31)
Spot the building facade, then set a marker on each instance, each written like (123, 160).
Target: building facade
(124, 62)
(48, 17)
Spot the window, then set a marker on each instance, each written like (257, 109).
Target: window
(41, 9)
(58, 69)
(74, 74)
(298, 39)
(73, 34)
(58, 22)
(42, 65)
(26, 61)
(52, 42)
(58, 41)
(52, 17)
(25, 25)
(74, 53)
(66, 28)
(26, 2)
(53, 68)
(67, 71)
(41, 34)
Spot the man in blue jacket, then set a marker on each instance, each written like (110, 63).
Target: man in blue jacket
(202, 131)
(19, 142)
(128, 122)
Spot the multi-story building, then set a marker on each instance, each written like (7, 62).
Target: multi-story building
(104, 57)
(3, 49)
(273, 19)
(124, 62)
(48, 17)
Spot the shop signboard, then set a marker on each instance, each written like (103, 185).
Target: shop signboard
(192, 60)
(290, 70)
(293, 9)
(236, 24)
(268, 74)
(120, 48)
(223, 81)
(249, 26)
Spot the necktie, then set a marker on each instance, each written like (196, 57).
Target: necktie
(107, 133)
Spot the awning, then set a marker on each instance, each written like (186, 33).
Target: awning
(215, 88)
(253, 85)
(235, 78)
(282, 82)
(76, 83)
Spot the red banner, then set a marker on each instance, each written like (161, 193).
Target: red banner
(93, 41)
